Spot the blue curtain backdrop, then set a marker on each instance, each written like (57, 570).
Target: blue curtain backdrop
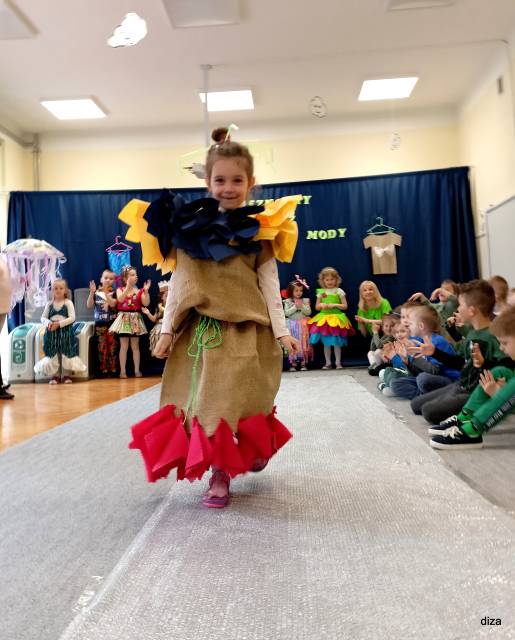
(431, 210)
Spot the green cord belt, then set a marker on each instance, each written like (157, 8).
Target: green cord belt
(208, 335)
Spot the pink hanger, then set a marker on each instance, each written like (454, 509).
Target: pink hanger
(118, 243)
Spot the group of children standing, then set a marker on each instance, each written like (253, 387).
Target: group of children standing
(117, 312)
(330, 326)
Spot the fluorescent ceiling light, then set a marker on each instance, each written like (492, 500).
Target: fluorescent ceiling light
(129, 32)
(81, 109)
(228, 100)
(387, 89)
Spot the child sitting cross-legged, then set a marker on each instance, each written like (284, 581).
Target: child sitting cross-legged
(490, 402)
(477, 351)
(381, 335)
(427, 373)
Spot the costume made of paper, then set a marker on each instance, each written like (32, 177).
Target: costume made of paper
(384, 259)
(156, 329)
(61, 342)
(330, 326)
(297, 318)
(225, 314)
(106, 341)
(129, 321)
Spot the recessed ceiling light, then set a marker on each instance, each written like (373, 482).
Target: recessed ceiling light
(129, 32)
(74, 109)
(202, 13)
(387, 88)
(228, 100)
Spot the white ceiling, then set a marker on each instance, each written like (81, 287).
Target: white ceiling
(287, 51)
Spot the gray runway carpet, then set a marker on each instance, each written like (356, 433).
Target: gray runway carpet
(355, 530)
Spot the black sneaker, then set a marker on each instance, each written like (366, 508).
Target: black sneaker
(440, 429)
(5, 395)
(454, 438)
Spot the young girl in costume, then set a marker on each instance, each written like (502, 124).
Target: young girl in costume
(330, 325)
(222, 326)
(157, 317)
(129, 324)
(297, 310)
(371, 306)
(104, 313)
(59, 342)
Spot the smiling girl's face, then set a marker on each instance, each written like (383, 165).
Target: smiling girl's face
(229, 182)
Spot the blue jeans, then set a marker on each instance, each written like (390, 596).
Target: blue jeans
(410, 386)
(427, 382)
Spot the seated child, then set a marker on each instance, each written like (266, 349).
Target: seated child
(381, 335)
(427, 373)
(478, 350)
(501, 288)
(447, 296)
(490, 402)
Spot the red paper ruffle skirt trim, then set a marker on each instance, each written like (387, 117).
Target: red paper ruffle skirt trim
(165, 444)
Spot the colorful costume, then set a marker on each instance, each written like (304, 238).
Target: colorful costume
(331, 326)
(297, 317)
(60, 343)
(129, 321)
(224, 367)
(106, 341)
(156, 330)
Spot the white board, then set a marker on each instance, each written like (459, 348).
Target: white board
(500, 236)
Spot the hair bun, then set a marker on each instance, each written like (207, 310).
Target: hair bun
(219, 135)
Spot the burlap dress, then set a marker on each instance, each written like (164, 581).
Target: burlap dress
(231, 420)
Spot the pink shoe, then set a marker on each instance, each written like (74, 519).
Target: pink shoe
(67, 380)
(217, 502)
(55, 380)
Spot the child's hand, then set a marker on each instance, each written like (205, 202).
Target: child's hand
(422, 349)
(401, 349)
(440, 294)
(388, 351)
(323, 305)
(145, 311)
(489, 384)
(417, 296)
(92, 286)
(323, 294)
(146, 286)
(291, 345)
(299, 302)
(477, 357)
(360, 319)
(53, 326)
(162, 347)
(376, 325)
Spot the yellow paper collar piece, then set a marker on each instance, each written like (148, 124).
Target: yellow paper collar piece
(132, 214)
(277, 225)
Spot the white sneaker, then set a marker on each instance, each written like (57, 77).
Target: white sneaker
(388, 392)
(381, 374)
